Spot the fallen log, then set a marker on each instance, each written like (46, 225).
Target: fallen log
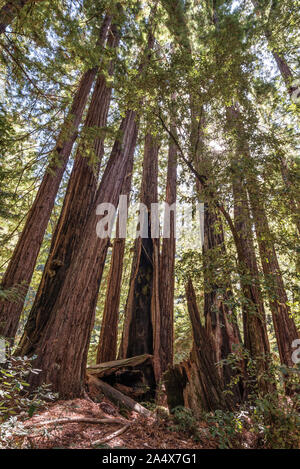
(132, 376)
(102, 370)
(117, 397)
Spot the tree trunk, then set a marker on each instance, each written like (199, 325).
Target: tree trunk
(284, 325)
(220, 319)
(196, 383)
(21, 266)
(282, 65)
(107, 347)
(167, 266)
(255, 332)
(79, 197)
(293, 193)
(62, 349)
(138, 330)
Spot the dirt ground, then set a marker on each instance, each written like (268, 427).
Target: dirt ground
(143, 432)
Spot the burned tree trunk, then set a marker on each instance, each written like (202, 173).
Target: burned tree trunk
(138, 333)
(196, 383)
(167, 265)
(79, 197)
(62, 350)
(20, 269)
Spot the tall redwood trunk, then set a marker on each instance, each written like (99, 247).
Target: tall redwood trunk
(255, 331)
(220, 319)
(138, 327)
(63, 347)
(167, 267)
(107, 347)
(21, 266)
(284, 325)
(79, 197)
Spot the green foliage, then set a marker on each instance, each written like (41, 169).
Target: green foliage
(184, 421)
(224, 426)
(14, 394)
(276, 419)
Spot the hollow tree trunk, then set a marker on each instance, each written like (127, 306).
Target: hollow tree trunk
(138, 326)
(167, 267)
(284, 325)
(79, 197)
(107, 347)
(196, 383)
(63, 347)
(21, 266)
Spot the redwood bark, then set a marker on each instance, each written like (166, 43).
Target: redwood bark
(220, 319)
(21, 266)
(167, 268)
(284, 325)
(79, 197)
(63, 347)
(107, 347)
(255, 332)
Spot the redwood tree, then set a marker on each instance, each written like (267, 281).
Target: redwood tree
(21, 266)
(107, 347)
(138, 327)
(62, 348)
(79, 197)
(167, 265)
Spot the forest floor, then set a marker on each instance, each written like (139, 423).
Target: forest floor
(143, 432)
